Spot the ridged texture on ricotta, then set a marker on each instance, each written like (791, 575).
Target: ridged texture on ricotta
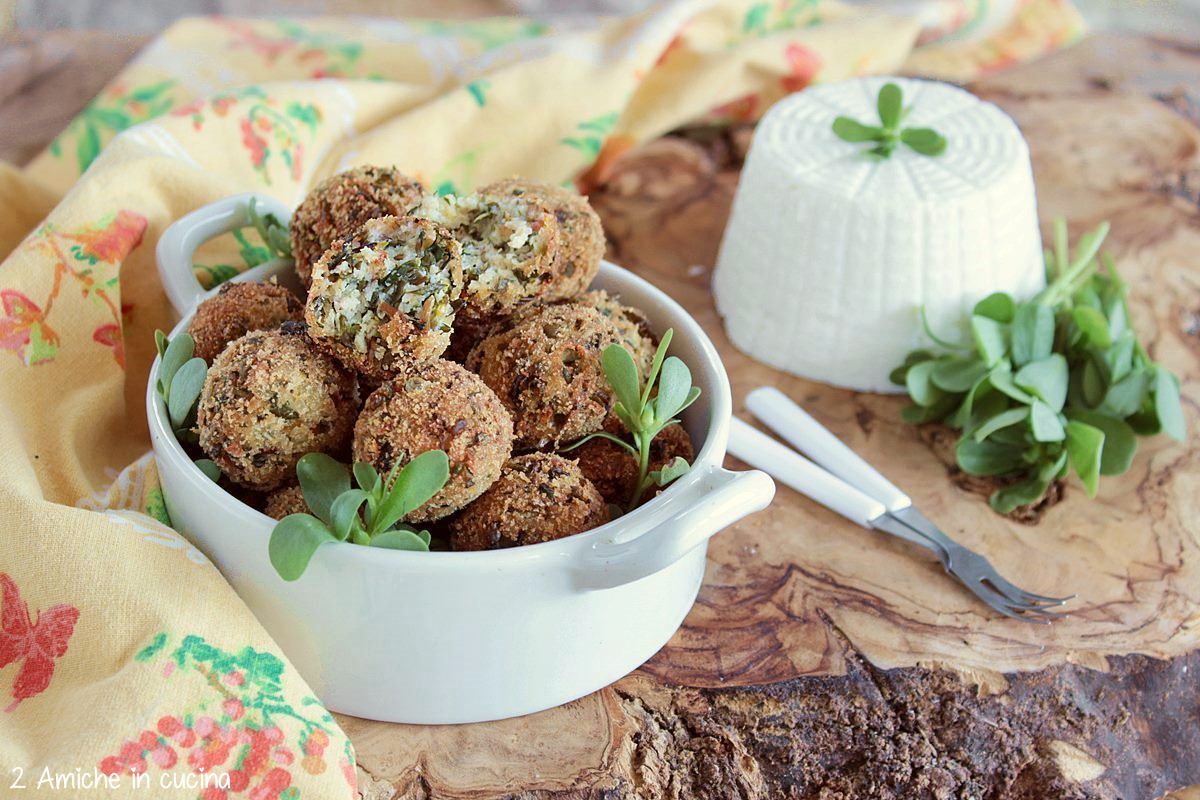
(829, 254)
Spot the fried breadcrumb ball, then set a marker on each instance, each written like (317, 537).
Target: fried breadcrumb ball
(238, 308)
(509, 249)
(437, 405)
(546, 370)
(339, 205)
(384, 296)
(288, 500)
(581, 236)
(614, 470)
(269, 398)
(539, 497)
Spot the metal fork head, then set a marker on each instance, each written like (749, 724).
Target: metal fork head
(978, 575)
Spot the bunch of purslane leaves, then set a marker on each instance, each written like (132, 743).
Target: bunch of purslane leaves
(645, 407)
(369, 514)
(1056, 383)
(889, 134)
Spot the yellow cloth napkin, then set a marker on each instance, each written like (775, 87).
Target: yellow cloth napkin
(123, 652)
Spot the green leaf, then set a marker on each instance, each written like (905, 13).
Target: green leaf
(160, 343)
(652, 376)
(400, 540)
(946, 343)
(1084, 446)
(1032, 333)
(1029, 490)
(421, 479)
(919, 415)
(366, 476)
(1167, 405)
(209, 468)
(998, 306)
(185, 390)
(1004, 419)
(987, 457)
(1091, 384)
(343, 512)
(890, 104)
(957, 374)
(1118, 359)
(1045, 424)
(676, 469)
(925, 141)
(322, 480)
(674, 385)
(600, 435)
(1125, 397)
(920, 385)
(963, 414)
(1092, 325)
(1001, 378)
(850, 130)
(1120, 442)
(1046, 378)
(293, 541)
(179, 351)
(622, 374)
(991, 338)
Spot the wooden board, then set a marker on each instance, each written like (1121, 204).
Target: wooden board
(823, 660)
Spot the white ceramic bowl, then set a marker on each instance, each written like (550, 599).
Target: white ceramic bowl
(447, 637)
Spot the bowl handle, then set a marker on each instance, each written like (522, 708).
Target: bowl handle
(718, 499)
(179, 241)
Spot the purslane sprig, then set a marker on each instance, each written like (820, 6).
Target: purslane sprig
(369, 514)
(180, 381)
(889, 134)
(273, 233)
(1056, 383)
(646, 407)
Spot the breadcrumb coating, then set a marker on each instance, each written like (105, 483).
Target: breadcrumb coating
(284, 501)
(538, 498)
(546, 370)
(581, 236)
(384, 297)
(341, 204)
(269, 398)
(509, 247)
(437, 405)
(237, 308)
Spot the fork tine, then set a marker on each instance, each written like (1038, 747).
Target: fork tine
(1008, 589)
(998, 602)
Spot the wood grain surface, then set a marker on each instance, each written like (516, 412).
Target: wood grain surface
(822, 660)
(825, 661)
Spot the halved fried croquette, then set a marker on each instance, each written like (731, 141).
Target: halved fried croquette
(341, 204)
(546, 370)
(238, 308)
(284, 501)
(539, 497)
(270, 397)
(614, 470)
(437, 405)
(509, 247)
(581, 236)
(384, 297)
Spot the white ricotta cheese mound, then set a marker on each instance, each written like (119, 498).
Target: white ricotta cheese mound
(829, 254)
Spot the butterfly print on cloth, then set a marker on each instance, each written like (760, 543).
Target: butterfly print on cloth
(35, 644)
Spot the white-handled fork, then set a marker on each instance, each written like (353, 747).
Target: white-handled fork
(853, 488)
